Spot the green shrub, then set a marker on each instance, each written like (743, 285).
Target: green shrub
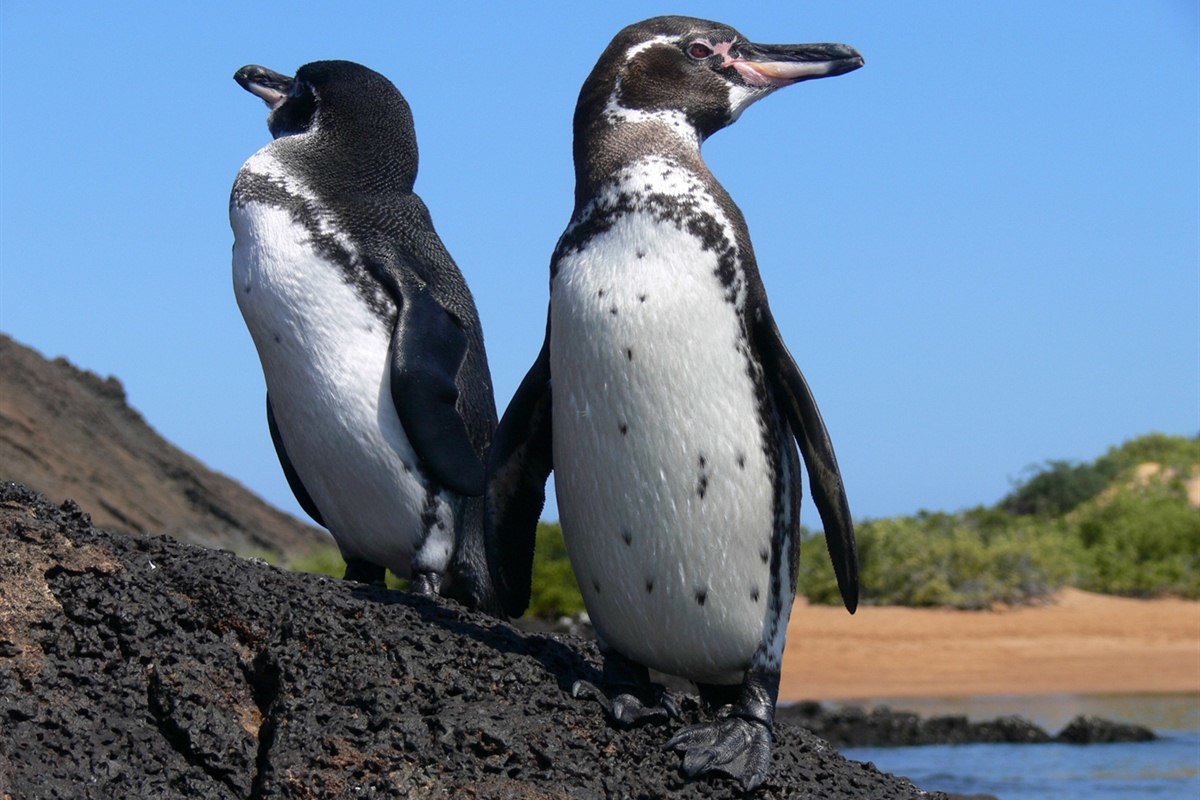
(1058, 487)
(1140, 541)
(1179, 453)
(321, 561)
(1088, 525)
(970, 560)
(328, 561)
(555, 592)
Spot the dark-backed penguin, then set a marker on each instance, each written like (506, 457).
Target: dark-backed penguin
(666, 402)
(379, 399)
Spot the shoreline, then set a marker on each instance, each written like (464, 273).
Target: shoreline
(1079, 644)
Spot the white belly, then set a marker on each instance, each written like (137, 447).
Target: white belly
(664, 488)
(325, 359)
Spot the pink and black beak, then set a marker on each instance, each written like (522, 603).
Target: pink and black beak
(269, 86)
(771, 66)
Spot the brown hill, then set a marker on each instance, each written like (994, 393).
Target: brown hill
(69, 433)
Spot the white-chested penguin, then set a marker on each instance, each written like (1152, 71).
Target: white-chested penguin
(379, 398)
(666, 402)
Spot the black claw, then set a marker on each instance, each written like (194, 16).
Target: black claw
(628, 711)
(697, 761)
(588, 690)
(670, 705)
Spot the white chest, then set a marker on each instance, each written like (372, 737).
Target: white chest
(664, 482)
(324, 355)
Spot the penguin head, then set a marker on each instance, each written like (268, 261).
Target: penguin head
(360, 116)
(705, 72)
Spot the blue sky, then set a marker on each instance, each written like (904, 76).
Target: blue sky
(983, 248)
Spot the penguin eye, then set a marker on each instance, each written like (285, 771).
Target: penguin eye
(699, 50)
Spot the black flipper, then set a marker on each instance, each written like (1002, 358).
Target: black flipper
(428, 349)
(519, 464)
(825, 479)
(289, 471)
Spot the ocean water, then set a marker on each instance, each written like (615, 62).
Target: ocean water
(1167, 769)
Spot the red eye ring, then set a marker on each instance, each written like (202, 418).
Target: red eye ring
(699, 50)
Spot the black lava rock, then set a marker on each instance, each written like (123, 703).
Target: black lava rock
(1095, 730)
(150, 668)
(853, 726)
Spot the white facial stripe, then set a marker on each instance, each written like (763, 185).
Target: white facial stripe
(741, 97)
(640, 46)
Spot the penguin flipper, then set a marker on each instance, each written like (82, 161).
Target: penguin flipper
(289, 472)
(428, 349)
(520, 462)
(829, 494)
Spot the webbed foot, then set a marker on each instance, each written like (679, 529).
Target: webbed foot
(364, 572)
(626, 710)
(630, 685)
(738, 742)
(739, 748)
(427, 584)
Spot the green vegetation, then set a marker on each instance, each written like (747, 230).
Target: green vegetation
(971, 560)
(1143, 541)
(328, 561)
(1112, 526)
(1121, 524)
(555, 592)
(321, 561)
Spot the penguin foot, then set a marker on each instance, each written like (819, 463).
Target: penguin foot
(364, 572)
(733, 746)
(427, 584)
(626, 710)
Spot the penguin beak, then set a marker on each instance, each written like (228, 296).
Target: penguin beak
(771, 66)
(270, 86)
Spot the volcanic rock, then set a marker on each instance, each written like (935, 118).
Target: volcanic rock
(145, 667)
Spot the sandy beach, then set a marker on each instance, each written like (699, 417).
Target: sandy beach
(1083, 643)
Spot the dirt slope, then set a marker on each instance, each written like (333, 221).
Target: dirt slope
(68, 433)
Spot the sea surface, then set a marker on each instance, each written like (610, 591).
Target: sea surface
(1167, 769)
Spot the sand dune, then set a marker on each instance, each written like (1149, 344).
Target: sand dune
(1082, 643)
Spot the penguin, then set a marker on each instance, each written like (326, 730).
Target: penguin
(667, 404)
(379, 397)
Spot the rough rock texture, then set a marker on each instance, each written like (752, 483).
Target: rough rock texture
(853, 726)
(1089, 729)
(67, 432)
(145, 667)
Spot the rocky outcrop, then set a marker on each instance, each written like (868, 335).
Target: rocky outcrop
(67, 432)
(145, 667)
(853, 726)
